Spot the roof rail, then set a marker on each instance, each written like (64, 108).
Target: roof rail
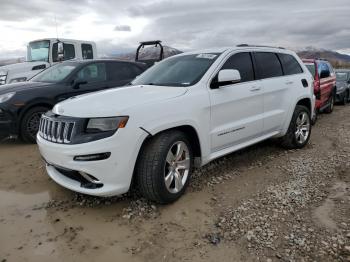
(246, 45)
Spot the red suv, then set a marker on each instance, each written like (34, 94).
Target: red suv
(324, 83)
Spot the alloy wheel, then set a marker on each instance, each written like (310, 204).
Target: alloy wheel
(302, 128)
(177, 167)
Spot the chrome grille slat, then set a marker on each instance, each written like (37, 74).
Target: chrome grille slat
(65, 133)
(59, 126)
(56, 130)
(49, 131)
(45, 129)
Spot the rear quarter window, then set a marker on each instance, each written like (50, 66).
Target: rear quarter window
(290, 65)
(87, 52)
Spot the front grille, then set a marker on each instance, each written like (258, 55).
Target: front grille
(55, 130)
(85, 180)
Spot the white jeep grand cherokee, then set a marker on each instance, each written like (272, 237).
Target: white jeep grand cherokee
(183, 112)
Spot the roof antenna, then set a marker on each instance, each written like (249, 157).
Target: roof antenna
(56, 27)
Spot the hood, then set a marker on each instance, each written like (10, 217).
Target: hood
(116, 101)
(20, 67)
(17, 87)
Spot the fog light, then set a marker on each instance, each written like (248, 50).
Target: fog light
(93, 157)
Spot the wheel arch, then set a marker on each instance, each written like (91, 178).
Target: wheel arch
(189, 130)
(305, 102)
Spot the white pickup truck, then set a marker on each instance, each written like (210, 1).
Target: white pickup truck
(42, 54)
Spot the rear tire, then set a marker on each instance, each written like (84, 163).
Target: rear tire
(330, 107)
(29, 125)
(299, 130)
(345, 98)
(164, 167)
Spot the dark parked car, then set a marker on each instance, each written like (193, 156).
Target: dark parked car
(343, 85)
(22, 104)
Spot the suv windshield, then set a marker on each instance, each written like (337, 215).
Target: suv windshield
(184, 70)
(342, 76)
(38, 51)
(55, 73)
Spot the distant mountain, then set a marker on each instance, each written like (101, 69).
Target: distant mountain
(338, 60)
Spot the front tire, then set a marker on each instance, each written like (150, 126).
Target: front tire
(30, 124)
(299, 130)
(164, 167)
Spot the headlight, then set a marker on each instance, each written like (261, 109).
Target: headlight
(3, 73)
(96, 125)
(6, 97)
(20, 79)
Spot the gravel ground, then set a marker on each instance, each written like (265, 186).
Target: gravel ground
(260, 204)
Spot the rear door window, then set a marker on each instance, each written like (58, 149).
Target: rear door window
(69, 52)
(87, 52)
(289, 64)
(93, 73)
(323, 70)
(243, 63)
(330, 67)
(268, 65)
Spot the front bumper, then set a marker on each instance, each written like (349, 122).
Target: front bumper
(114, 173)
(340, 95)
(7, 125)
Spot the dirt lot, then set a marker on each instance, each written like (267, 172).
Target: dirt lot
(259, 204)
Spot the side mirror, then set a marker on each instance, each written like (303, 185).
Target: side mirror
(60, 51)
(228, 77)
(77, 83)
(324, 74)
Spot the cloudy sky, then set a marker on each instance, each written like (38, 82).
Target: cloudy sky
(184, 24)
